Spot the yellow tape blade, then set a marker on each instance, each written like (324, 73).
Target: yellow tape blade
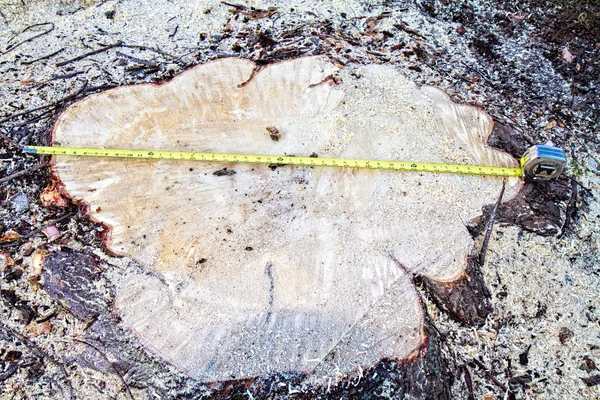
(284, 160)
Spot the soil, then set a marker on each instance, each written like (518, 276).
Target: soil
(533, 65)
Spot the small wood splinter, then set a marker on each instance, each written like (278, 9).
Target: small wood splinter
(274, 133)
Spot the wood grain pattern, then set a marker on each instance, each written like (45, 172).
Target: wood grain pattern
(284, 269)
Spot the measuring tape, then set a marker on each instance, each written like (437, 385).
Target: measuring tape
(307, 161)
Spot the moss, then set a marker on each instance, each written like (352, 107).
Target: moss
(576, 168)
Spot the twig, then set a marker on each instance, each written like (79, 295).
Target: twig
(236, 6)
(468, 381)
(14, 46)
(141, 47)
(252, 13)
(489, 375)
(378, 54)
(47, 224)
(67, 76)
(572, 88)
(19, 114)
(43, 115)
(111, 364)
(43, 57)
(143, 68)
(9, 140)
(53, 104)
(586, 189)
(196, 49)
(91, 53)
(91, 321)
(481, 74)
(571, 211)
(12, 368)
(137, 60)
(39, 352)
(98, 88)
(402, 26)
(490, 226)
(23, 172)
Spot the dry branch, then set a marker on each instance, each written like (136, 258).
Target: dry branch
(50, 55)
(490, 227)
(11, 47)
(23, 172)
(91, 53)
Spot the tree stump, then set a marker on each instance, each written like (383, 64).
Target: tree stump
(253, 269)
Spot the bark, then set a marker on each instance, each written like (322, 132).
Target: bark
(467, 299)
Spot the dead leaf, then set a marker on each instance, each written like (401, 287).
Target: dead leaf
(51, 232)
(37, 329)
(5, 261)
(37, 261)
(9, 236)
(592, 380)
(259, 14)
(567, 55)
(372, 24)
(551, 125)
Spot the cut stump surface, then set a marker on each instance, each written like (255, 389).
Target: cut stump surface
(285, 268)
